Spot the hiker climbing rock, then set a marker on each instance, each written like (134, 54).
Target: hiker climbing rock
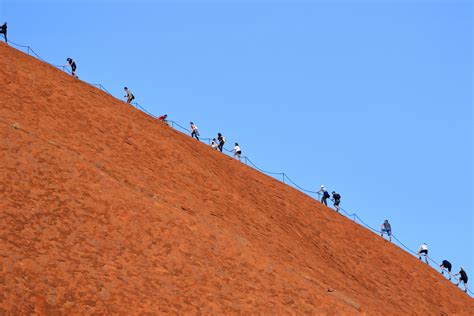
(194, 130)
(446, 265)
(237, 151)
(221, 140)
(336, 199)
(214, 144)
(423, 251)
(386, 229)
(325, 195)
(71, 63)
(129, 95)
(163, 118)
(463, 278)
(3, 30)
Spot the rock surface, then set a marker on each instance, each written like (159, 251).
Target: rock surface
(106, 210)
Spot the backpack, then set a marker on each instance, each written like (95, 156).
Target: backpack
(326, 194)
(337, 196)
(223, 139)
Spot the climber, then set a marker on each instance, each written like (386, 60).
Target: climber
(386, 228)
(423, 251)
(129, 95)
(237, 151)
(3, 30)
(214, 144)
(221, 140)
(163, 118)
(325, 195)
(463, 278)
(72, 64)
(446, 265)
(194, 130)
(336, 198)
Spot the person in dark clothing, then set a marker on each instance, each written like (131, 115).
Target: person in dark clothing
(3, 30)
(446, 265)
(336, 198)
(463, 278)
(72, 64)
(221, 140)
(325, 195)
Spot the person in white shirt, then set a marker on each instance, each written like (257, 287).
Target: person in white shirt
(194, 130)
(214, 144)
(130, 97)
(237, 151)
(423, 251)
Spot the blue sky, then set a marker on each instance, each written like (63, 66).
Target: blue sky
(371, 98)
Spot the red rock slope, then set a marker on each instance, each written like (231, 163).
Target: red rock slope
(105, 210)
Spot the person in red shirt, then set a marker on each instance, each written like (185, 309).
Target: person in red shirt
(163, 118)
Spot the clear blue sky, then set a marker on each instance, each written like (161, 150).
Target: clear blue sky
(371, 98)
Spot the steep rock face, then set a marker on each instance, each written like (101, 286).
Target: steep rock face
(105, 210)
